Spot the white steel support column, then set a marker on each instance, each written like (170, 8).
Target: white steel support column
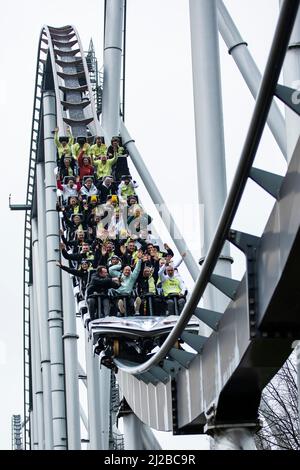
(105, 391)
(54, 279)
(159, 201)
(291, 78)
(40, 289)
(33, 359)
(209, 129)
(239, 51)
(71, 364)
(37, 383)
(132, 430)
(93, 394)
(112, 67)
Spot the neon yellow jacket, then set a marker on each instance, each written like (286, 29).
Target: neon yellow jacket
(67, 150)
(97, 150)
(171, 286)
(105, 169)
(76, 149)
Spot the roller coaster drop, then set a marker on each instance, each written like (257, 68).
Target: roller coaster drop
(214, 384)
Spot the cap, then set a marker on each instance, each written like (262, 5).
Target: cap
(113, 197)
(85, 261)
(93, 198)
(63, 138)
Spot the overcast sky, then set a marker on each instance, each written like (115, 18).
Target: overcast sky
(159, 116)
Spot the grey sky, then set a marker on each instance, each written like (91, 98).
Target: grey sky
(159, 115)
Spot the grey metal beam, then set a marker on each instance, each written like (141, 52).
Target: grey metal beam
(36, 372)
(291, 77)
(40, 286)
(70, 338)
(54, 280)
(112, 67)
(239, 51)
(93, 394)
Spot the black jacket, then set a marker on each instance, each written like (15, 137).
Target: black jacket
(101, 284)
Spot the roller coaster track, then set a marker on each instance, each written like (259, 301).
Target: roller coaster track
(237, 360)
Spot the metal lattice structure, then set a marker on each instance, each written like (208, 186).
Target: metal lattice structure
(16, 433)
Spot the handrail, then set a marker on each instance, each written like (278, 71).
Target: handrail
(264, 99)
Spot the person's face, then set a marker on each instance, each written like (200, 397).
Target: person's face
(71, 183)
(131, 246)
(149, 248)
(127, 182)
(147, 272)
(127, 271)
(103, 158)
(85, 161)
(88, 183)
(98, 141)
(132, 201)
(73, 201)
(108, 181)
(64, 143)
(162, 261)
(103, 272)
(85, 248)
(81, 236)
(85, 266)
(77, 220)
(170, 271)
(114, 261)
(67, 162)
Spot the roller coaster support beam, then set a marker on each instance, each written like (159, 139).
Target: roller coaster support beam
(239, 51)
(37, 385)
(40, 290)
(104, 375)
(55, 318)
(158, 201)
(71, 365)
(209, 131)
(132, 432)
(291, 78)
(34, 440)
(112, 67)
(93, 394)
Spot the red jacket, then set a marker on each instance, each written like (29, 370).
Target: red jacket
(84, 170)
